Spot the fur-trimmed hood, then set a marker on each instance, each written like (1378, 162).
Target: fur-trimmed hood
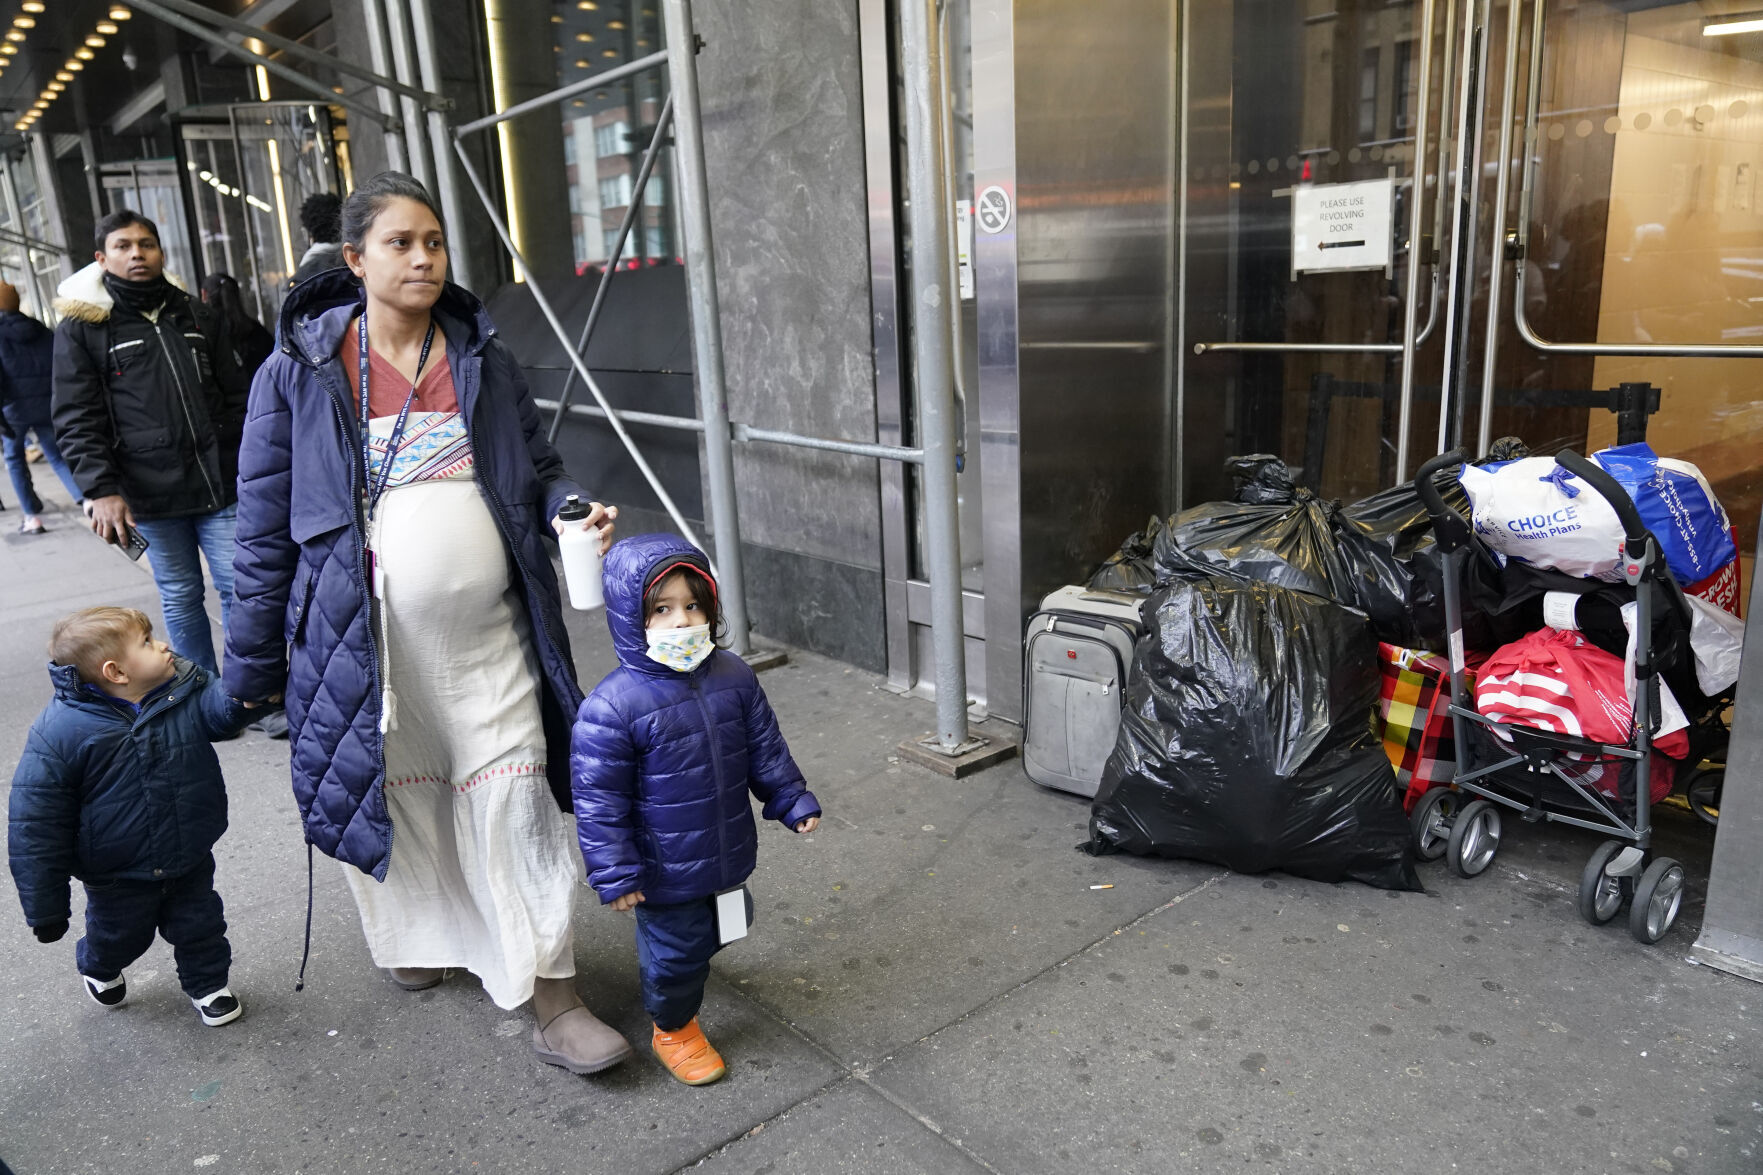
(85, 297)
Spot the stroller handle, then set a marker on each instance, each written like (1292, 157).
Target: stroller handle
(1594, 475)
(1429, 493)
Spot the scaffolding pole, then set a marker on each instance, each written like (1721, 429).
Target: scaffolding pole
(416, 142)
(295, 49)
(330, 96)
(631, 212)
(928, 223)
(581, 368)
(446, 174)
(706, 314)
(653, 61)
(379, 52)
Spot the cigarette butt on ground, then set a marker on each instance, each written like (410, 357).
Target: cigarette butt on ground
(1102, 886)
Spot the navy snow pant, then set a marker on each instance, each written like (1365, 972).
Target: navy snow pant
(122, 917)
(674, 946)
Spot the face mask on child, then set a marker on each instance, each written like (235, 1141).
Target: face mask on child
(683, 649)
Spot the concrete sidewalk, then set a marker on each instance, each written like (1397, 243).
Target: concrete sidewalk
(932, 987)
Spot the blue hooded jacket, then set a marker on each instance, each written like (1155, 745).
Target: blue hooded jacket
(107, 792)
(300, 621)
(662, 761)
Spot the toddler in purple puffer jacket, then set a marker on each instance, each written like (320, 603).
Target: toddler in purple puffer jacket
(663, 756)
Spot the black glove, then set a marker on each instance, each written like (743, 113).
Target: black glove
(50, 931)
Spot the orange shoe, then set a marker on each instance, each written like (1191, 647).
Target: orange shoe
(688, 1056)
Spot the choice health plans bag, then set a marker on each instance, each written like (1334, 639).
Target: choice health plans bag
(1535, 511)
(1678, 506)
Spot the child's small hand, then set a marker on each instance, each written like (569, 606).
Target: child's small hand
(628, 902)
(50, 931)
(272, 700)
(808, 825)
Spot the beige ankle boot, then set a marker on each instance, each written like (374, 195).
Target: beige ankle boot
(575, 1039)
(414, 978)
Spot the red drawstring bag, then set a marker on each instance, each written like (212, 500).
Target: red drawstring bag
(1556, 680)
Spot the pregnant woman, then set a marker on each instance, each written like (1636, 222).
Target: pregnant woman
(396, 492)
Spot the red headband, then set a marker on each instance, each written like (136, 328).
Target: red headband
(683, 565)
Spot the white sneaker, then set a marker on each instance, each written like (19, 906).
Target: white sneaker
(111, 994)
(221, 1007)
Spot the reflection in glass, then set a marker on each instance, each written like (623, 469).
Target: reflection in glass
(606, 132)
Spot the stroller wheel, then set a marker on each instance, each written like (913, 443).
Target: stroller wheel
(1430, 822)
(1657, 898)
(1600, 895)
(1703, 789)
(1475, 838)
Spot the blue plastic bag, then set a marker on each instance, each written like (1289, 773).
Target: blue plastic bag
(1678, 506)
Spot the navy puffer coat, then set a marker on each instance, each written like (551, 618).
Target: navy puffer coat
(106, 793)
(300, 621)
(663, 761)
(27, 357)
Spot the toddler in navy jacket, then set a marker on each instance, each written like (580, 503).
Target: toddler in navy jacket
(119, 787)
(664, 753)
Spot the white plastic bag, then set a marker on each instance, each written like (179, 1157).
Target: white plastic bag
(1535, 511)
(1717, 638)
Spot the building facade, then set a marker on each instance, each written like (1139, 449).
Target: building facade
(1561, 199)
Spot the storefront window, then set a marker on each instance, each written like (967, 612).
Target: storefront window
(606, 131)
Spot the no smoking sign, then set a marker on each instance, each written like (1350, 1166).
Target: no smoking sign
(992, 210)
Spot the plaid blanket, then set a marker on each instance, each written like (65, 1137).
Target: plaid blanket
(1413, 710)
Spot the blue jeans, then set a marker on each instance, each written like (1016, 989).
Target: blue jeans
(176, 547)
(674, 947)
(122, 917)
(20, 469)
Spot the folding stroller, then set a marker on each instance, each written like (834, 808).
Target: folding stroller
(1547, 776)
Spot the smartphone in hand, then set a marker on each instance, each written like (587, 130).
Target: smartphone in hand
(134, 545)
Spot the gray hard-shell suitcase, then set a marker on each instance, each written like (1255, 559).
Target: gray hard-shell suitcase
(1074, 666)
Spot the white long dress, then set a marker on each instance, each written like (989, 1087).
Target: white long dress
(484, 866)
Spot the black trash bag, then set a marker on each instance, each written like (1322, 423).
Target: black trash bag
(1130, 569)
(1261, 479)
(1397, 521)
(1278, 532)
(1247, 740)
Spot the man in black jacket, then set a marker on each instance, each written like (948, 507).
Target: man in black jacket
(148, 407)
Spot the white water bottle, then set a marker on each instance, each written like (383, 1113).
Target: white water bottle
(581, 557)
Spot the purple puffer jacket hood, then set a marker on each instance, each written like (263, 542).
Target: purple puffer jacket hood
(662, 762)
(630, 565)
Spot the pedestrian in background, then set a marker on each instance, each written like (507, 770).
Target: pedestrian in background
(148, 406)
(321, 216)
(27, 357)
(397, 496)
(252, 342)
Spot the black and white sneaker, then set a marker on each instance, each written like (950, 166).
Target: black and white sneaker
(110, 994)
(222, 1007)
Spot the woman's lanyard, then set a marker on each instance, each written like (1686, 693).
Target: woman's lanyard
(379, 485)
